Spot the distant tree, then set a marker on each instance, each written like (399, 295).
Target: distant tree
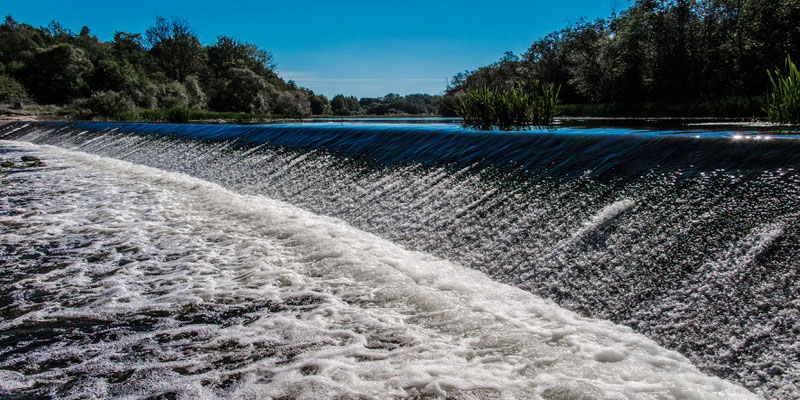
(112, 75)
(171, 94)
(106, 103)
(656, 50)
(57, 33)
(341, 105)
(292, 104)
(592, 61)
(18, 45)
(130, 47)
(242, 90)
(197, 99)
(229, 52)
(319, 104)
(58, 74)
(176, 46)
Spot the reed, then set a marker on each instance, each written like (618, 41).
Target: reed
(783, 102)
(486, 109)
(177, 114)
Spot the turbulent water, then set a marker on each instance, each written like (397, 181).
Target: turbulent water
(316, 261)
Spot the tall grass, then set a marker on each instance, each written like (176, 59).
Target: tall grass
(486, 109)
(783, 102)
(177, 114)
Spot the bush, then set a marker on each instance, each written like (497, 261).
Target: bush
(107, 104)
(485, 109)
(293, 104)
(57, 74)
(12, 91)
(177, 114)
(197, 99)
(171, 95)
(783, 103)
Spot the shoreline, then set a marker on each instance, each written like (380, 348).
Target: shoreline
(682, 123)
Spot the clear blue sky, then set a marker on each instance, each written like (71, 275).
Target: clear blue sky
(361, 48)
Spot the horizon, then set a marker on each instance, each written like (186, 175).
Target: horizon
(416, 49)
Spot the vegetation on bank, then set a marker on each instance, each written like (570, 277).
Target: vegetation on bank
(783, 101)
(702, 58)
(657, 58)
(164, 74)
(742, 108)
(514, 109)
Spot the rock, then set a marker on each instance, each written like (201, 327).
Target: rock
(31, 161)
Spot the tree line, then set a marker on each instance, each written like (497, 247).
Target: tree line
(657, 51)
(165, 67)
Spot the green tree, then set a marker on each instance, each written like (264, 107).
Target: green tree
(18, 45)
(242, 90)
(341, 105)
(319, 104)
(197, 99)
(112, 75)
(12, 91)
(106, 103)
(176, 47)
(229, 52)
(292, 104)
(171, 94)
(58, 74)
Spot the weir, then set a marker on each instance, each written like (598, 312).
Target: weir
(688, 237)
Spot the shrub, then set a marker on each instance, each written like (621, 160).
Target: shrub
(11, 91)
(783, 102)
(171, 95)
(293, 104)
(107, 104)
(197, 99)
(486, 109)
(177, 114)
(57, 74)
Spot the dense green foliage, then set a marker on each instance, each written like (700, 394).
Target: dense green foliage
(394, 104)
(165, 74)
(167, 69)
(669, 52)
(342, 105)
(512, 109)
(11, 91)
(783, 102)
(177, 114)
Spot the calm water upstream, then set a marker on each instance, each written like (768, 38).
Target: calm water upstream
(334, 260)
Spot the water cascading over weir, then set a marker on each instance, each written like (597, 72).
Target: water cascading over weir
(691, 238)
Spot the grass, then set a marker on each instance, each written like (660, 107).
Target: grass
(783, 102)
(33, 110)
(486, 109)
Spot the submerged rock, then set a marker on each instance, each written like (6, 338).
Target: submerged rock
(31, 161)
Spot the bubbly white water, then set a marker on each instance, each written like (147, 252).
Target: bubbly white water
(163, 283)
